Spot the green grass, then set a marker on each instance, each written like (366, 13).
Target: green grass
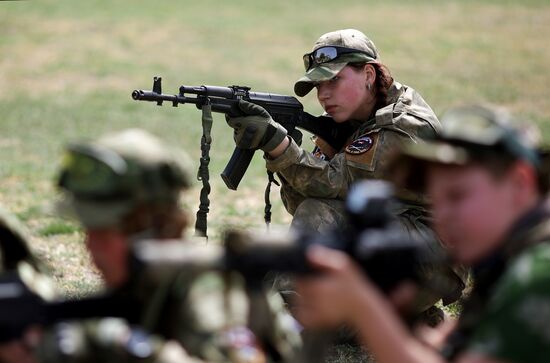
(56, 228)
(67, 69)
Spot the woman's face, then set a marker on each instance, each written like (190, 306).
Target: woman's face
(346, 97)
(472, 209)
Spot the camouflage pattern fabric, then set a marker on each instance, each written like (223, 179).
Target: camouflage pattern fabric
(515, 325)
(506, 317)
(328, 214)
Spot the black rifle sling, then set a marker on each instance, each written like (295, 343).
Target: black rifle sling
(203, 173)
(297, 137)
(267, 211)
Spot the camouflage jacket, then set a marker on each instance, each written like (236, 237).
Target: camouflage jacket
(508, 313)
(303, 175)
(186, 317)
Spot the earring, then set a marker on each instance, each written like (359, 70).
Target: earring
(368, 86)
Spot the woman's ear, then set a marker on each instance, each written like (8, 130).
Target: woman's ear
(370, 75)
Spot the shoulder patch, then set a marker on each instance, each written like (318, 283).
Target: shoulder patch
(360, 145)
(361, 153)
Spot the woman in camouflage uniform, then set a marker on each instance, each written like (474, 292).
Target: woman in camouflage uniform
(489, 189)
(353, 86)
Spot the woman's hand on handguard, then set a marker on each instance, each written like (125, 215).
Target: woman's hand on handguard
(257, 130)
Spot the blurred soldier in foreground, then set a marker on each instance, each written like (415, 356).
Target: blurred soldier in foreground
(124, 188)
(17, 261)
(488, 185)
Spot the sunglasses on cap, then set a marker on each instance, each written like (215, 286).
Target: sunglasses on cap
(328, 54)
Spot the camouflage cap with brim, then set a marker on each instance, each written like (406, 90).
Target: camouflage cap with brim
(482, 128)
(105, 180)
(468, 133)
(346, 38)
(407, 168)
(327, 71)
(437, 152)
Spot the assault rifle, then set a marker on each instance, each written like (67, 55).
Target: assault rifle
(286, 110)
(21, 308)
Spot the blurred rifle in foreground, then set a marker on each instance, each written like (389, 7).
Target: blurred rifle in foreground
(373, 238)
(387, 254)
(21, 308)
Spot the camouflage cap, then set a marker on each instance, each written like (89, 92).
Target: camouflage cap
(346, 38)
(468, 133)
(104, 180)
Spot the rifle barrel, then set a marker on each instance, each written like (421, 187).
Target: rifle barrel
(141, 95)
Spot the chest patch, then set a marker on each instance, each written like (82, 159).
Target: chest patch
(360, 145)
